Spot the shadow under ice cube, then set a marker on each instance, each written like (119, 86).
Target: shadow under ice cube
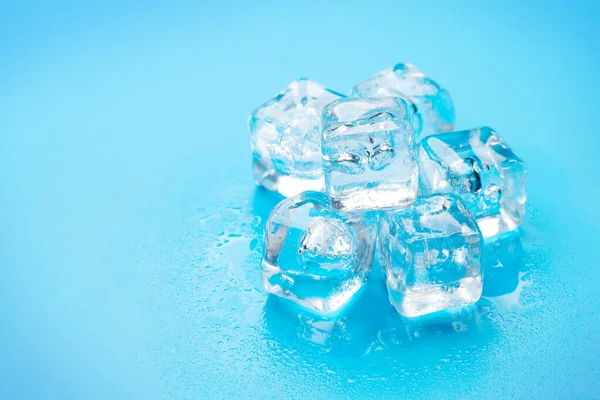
(285, 138)
(481, 168)
(315, 257)
(369, 159)
(431, 256)
(430, 104)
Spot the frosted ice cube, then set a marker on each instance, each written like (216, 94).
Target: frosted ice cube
(481, 168)
(369, 160)
(285, 138)
(430, 103)
(431, 256)
(314, 256)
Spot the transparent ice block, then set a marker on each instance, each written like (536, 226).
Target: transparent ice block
(285, 138)
(315, 257)
(369, 159)
(481, 168)
(431, 256)
(430, 104)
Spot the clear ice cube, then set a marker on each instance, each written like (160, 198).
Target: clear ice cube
(430, 103)
(285, 138)
(481, 168)
(431, 256)
(369, 159)
(314, 256)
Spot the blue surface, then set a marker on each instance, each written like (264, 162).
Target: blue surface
(129, 221)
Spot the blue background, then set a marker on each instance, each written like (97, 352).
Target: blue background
(129, 222)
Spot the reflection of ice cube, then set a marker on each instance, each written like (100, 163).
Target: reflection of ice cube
(313, 256)
(478, 166)
(285, 138)
(368, 154)
(505, 273)
(502, 261)
(403, 333)
(431, 256)
(430, 104)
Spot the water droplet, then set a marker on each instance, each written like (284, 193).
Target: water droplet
(253, 243)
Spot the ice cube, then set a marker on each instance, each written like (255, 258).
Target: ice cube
(369, 157)
(431, 256)
(481, 168)
(315, 257)
(430, 103)
(285, 138)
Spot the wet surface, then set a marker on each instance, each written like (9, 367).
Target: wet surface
(369, 346)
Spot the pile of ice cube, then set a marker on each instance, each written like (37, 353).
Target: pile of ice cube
(381, 167)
